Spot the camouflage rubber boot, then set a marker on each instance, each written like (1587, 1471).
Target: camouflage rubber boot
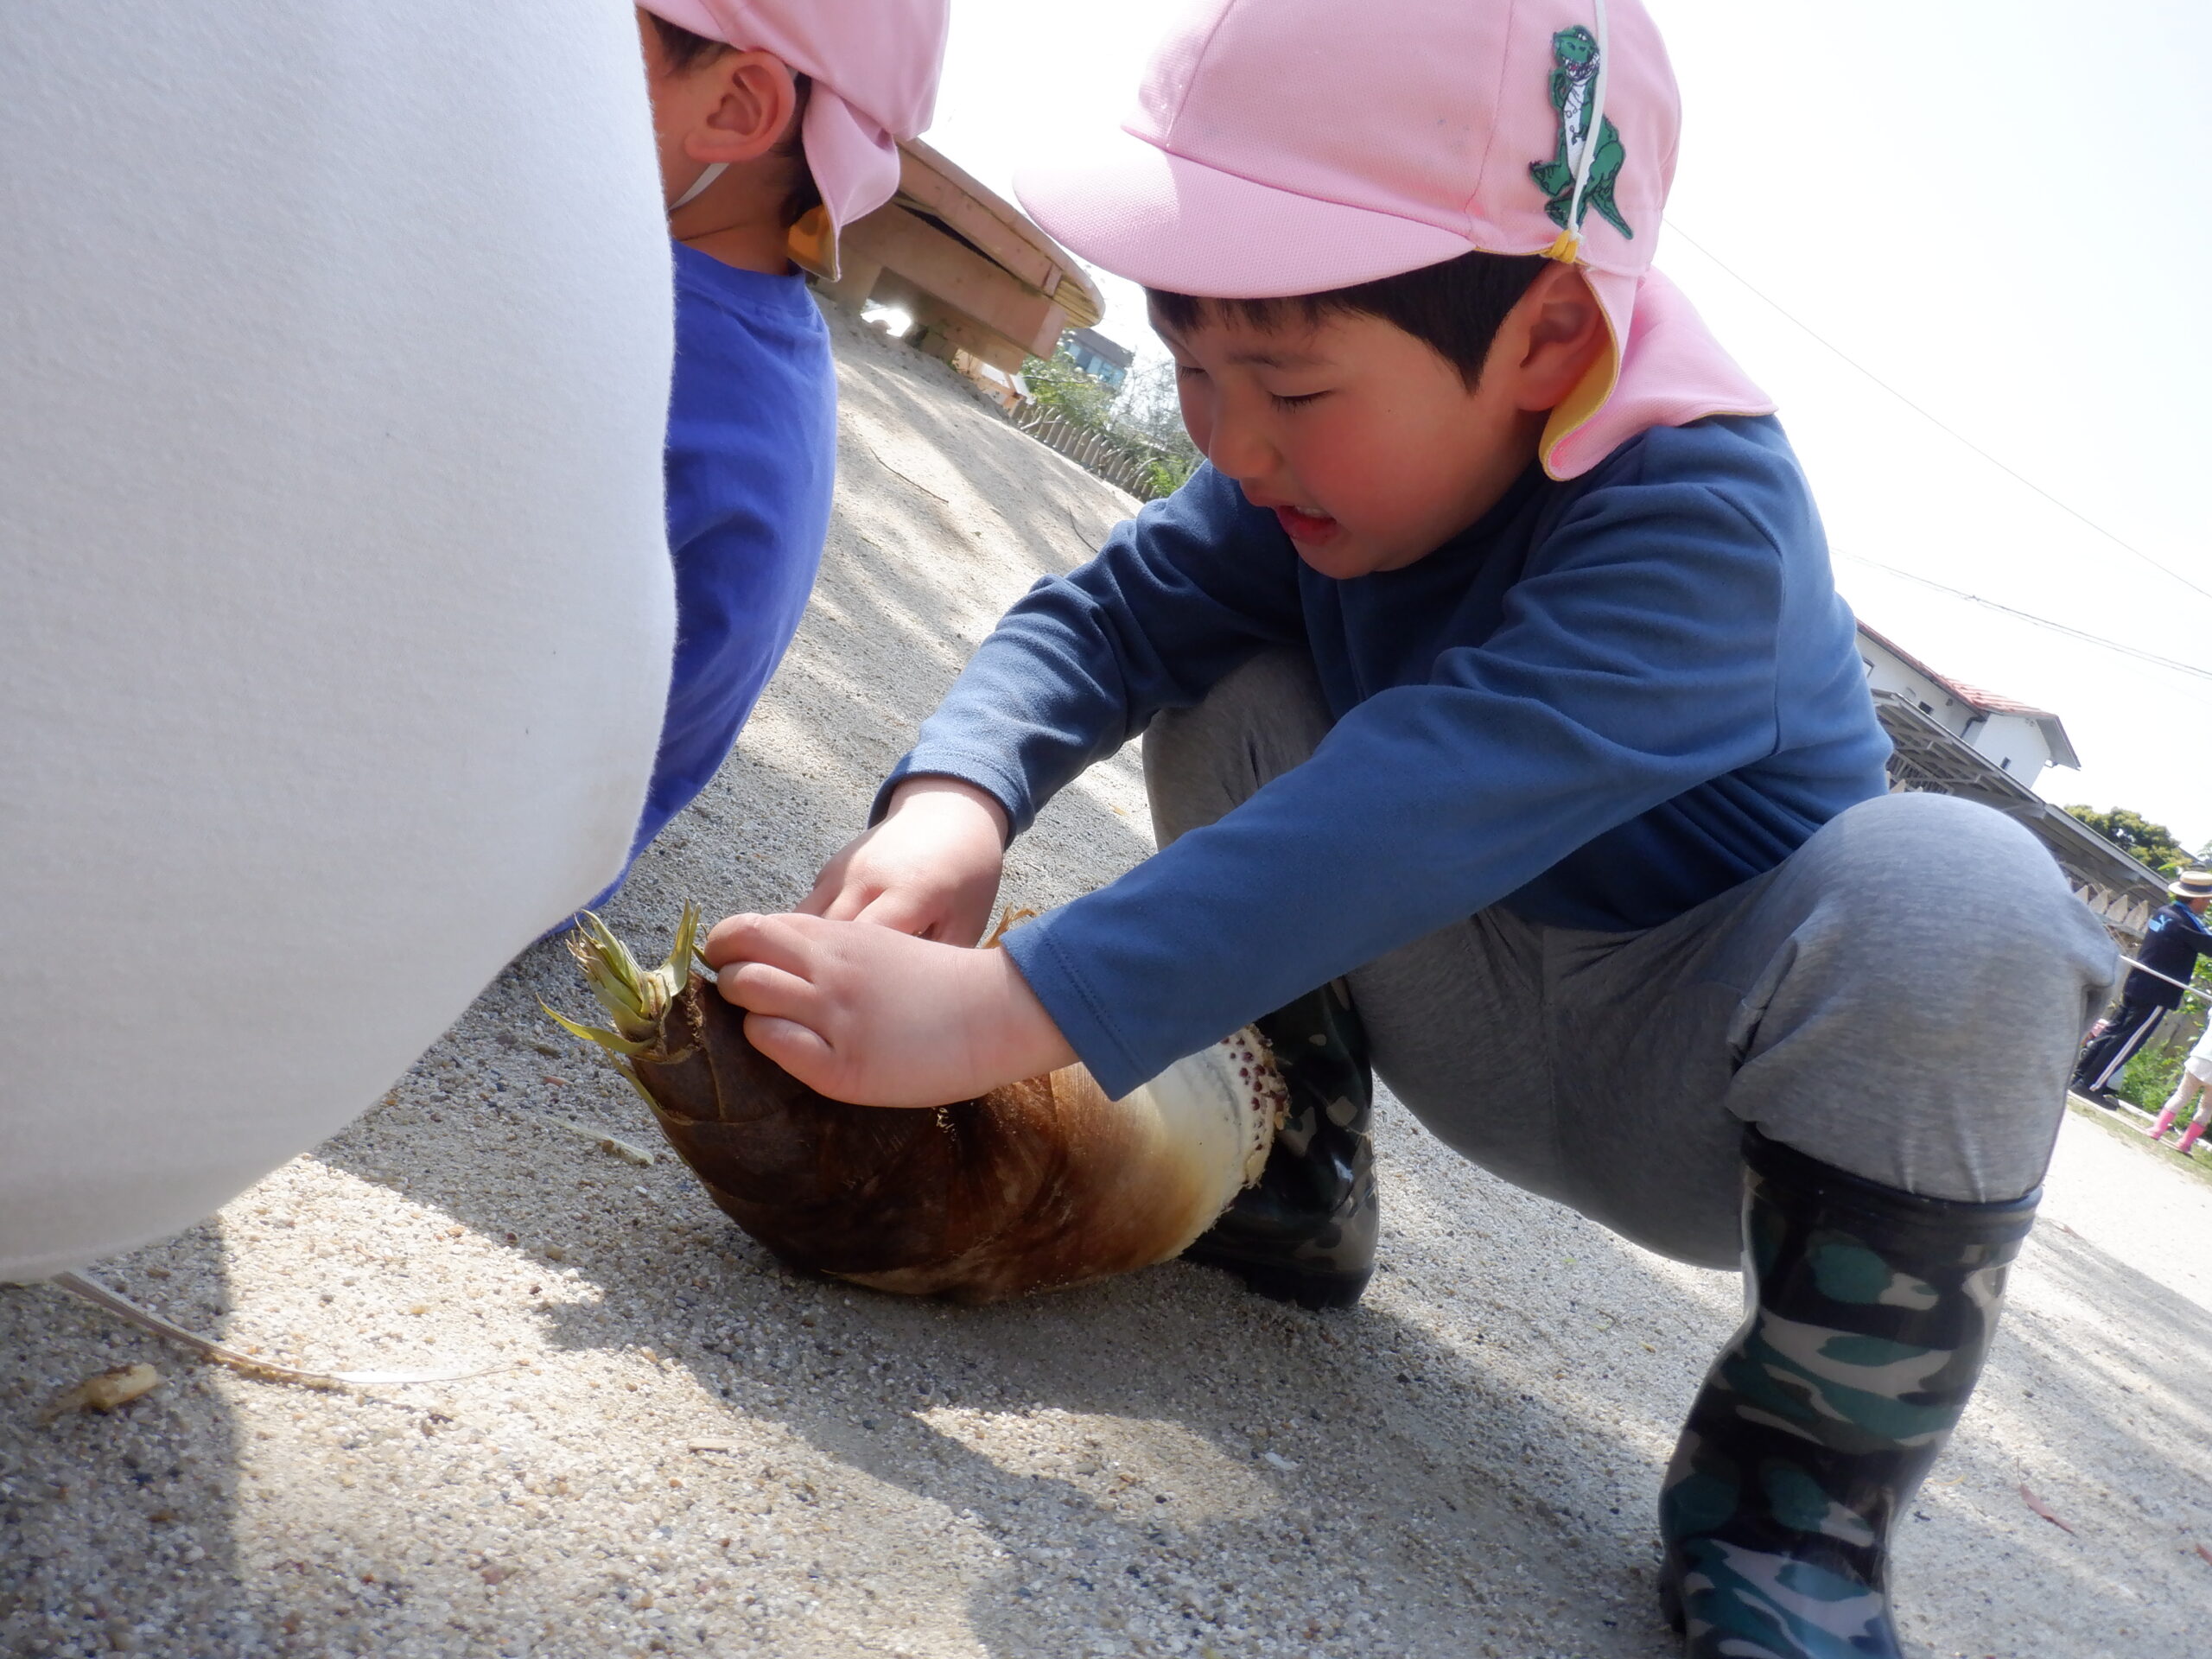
(1870, 1310)
(1305, 1232)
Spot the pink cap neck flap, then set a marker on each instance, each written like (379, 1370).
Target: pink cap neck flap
(1671, 371)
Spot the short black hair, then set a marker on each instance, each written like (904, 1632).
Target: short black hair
(1454, 309)
(683, 50)
(680, 47)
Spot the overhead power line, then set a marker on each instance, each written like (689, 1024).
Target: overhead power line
(2192, 670)
(2010, 472)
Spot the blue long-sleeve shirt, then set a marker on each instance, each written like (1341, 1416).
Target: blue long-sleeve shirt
(752, 458)
(1608, 700)
(2172, 944)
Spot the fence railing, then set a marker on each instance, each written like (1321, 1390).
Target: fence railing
(1121, 464)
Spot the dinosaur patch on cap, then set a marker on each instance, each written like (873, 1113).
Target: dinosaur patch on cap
(1573, 88)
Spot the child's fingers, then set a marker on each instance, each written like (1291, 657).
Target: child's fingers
(772, 939)
(902, 910)
(723, 941)
(819, 897)
(839, 893)
(759, 988)
(831, 885)
(847, 903)
(799, 1049)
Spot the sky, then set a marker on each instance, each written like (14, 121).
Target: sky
(1998, 209)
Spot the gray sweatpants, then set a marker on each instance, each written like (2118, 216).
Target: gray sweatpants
(1902, 998)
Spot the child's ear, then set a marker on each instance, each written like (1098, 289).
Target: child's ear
(1558, 331)
(755, 98)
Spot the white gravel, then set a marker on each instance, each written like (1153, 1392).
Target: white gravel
(700, 1451)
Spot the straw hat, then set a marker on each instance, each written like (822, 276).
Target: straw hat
(2191, 884)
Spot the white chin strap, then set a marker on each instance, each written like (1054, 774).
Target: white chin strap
(714, 170)
(1594, 129)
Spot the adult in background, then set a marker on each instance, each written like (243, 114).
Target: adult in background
(335, 609)
(2171, 944)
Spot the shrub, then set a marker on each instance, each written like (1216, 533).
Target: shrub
(1056, 384)
(2147, 1079)
(1142, 426)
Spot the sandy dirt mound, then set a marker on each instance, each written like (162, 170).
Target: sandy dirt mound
(703, 1453)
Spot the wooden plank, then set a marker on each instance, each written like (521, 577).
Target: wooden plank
(988, 230)
(961, 280)
(1000, 351)
(999, 229)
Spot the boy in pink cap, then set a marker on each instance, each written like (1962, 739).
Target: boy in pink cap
(778, 123)
(1502, 724)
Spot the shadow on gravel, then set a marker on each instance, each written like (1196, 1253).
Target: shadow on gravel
(2156, 1339)
(1190, 1395)
(1360, 1559)
(1175, 1374)
(2093, 1399)
(2109, 1369)
(108, 1540)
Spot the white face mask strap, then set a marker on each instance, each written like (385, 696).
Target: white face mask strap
(1593, 132)
(715, 169)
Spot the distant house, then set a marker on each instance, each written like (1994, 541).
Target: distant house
(1954, 738)
(2016, 738)
(1098, 357)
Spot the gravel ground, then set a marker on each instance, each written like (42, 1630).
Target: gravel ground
(697, 1451)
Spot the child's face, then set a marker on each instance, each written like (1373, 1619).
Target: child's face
(1367, 444)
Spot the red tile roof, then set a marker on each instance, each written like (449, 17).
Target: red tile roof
(1991, 702)
(1987, 703)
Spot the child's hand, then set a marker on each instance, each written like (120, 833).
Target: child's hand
(930, 869)
(879, 1018)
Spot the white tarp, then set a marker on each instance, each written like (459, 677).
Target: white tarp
(335, 605)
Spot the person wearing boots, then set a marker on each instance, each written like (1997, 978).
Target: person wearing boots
(2195, 1073)
(1504, 735)
(2172, 944)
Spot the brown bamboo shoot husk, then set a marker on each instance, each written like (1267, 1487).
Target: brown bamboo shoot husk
(1039, 1184)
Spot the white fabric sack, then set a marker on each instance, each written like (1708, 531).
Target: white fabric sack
(334, 602)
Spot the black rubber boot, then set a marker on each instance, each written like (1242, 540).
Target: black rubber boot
(1305, 1232)
(1871, 1313)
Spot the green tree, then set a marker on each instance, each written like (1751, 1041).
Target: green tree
(1058, 384)
(1144, 422)
(2150, 844)
(1149, 407)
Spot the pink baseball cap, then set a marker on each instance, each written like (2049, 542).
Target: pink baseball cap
(874, 65)
(1287, 147)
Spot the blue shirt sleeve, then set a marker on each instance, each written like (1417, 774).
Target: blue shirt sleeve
(1637, 661)
(1176, 597)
